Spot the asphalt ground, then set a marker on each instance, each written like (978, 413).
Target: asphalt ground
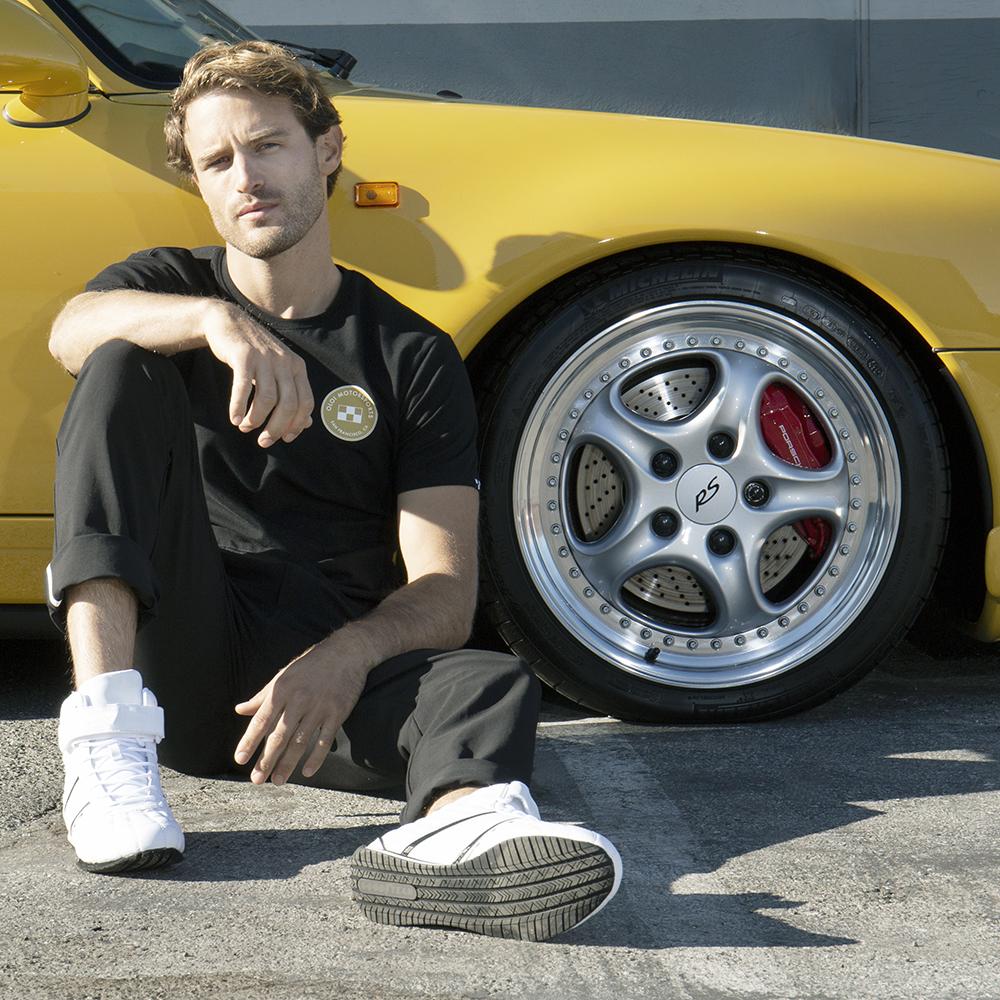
(848, 852)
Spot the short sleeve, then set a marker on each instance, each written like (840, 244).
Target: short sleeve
(437, 441)
(170, 270)
(167, 270)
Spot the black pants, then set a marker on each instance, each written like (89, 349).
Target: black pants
(215, 626)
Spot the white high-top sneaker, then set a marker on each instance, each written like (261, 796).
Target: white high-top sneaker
(487, 863)
(116, 816)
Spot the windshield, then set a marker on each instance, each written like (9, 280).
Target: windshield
(148, 41)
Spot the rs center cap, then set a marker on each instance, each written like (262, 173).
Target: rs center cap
(706, 494)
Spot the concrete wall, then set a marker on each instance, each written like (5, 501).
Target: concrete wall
(919, 71)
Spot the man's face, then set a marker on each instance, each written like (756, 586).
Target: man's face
(262, 177)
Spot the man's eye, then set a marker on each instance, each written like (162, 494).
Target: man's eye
(217, 162)
(268, 145)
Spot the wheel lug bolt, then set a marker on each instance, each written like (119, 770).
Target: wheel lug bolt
(721, 541)
(756, 493)
(665, 523)
(721, 445)
(664, 464)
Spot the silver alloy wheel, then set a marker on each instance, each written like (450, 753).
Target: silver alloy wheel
(605, 587)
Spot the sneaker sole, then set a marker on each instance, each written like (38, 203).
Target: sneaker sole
(530, 888)
(161, 857)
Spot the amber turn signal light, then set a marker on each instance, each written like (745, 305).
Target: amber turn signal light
(376, 194)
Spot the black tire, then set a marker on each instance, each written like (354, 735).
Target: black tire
(635, 661)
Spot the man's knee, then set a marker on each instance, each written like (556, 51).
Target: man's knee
(119, 367)
(525, 682)
(515, 674)
(119, 355)
(122, 382)
(494, 676)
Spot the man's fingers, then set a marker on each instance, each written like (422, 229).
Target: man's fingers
(269, 755)
(265, 395)
(284, 749)
(322, 747)
(250, 706)
(303, 415)
(260, 725)
(283, 415)
(239, 397)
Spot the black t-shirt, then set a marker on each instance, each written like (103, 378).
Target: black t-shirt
(393, 412)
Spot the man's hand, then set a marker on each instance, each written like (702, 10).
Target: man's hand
(299, 712)
(260, 361)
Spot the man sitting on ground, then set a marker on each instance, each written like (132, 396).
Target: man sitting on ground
(229, 543)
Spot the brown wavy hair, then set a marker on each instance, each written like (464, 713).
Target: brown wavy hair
(265, 67)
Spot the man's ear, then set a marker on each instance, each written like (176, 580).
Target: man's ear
(329, 149)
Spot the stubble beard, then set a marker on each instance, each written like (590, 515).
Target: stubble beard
(301, 207)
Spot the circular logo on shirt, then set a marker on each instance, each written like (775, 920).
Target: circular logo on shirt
(349, 413)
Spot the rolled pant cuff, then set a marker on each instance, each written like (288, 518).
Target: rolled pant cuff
(87, 557)
(457, 775)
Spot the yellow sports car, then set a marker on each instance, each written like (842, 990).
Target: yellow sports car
(739, 386)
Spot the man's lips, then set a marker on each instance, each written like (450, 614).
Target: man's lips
(256, 209)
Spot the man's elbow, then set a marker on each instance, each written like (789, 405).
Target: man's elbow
(455, 602)
(61, 337)
(59, 350)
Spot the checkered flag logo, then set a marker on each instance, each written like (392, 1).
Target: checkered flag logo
(350, 414)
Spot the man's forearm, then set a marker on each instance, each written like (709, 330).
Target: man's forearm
(154, 320)
(434, 612)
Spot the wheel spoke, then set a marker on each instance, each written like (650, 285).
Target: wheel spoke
(734, 404)
(824, 493)
(630, 440)
(797, 494)
(733, 582)
(628, 548)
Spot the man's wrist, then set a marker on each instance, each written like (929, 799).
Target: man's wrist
(353, 646)
(216, 315)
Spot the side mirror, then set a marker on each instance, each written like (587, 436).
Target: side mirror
(43, 67)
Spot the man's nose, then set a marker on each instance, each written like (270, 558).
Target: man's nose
(246, 176)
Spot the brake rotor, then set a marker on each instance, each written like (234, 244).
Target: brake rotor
(781, 554)
(671, 593)
(669, 394)
(599, 493)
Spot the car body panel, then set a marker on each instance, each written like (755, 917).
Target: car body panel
(496, 203)
(977, 375)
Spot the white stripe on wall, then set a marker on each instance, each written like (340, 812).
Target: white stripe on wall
(297, 12)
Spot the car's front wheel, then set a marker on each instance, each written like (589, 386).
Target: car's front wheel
(714, 488)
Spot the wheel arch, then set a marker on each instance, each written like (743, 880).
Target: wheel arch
(957, 592)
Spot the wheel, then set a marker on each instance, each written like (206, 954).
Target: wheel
(714, 488)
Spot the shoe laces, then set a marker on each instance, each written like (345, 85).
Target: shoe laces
(124, 769)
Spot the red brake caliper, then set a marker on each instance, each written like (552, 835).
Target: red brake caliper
(792, 433)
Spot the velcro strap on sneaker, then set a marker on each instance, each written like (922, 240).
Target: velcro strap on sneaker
(94, 721)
